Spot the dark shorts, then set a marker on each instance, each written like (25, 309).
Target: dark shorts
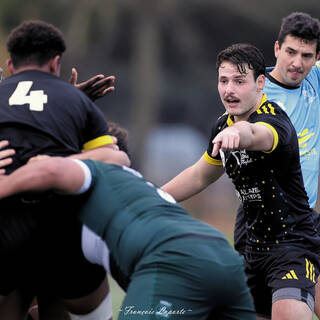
(189, 278)
(40, 253)
(290, 272)
(240, 232)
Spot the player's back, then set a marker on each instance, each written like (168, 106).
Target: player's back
(133, 216)
(42, 114)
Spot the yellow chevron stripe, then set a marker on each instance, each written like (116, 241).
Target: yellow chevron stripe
(293, 274)
(271, 109)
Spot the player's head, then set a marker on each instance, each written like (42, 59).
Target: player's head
(297, 48)
(300, 25)
(35, 43)
(241, 78)
(121, 134)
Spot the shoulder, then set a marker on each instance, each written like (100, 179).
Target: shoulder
(314, 74)
(270, 108)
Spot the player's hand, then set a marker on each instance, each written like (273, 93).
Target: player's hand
(38, 158)
(114, 144)
(5, 155)
(96, 87)
(227, 139)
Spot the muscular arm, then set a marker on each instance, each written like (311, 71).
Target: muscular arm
(53, 173)
(106, 154)
(193, 180)
(244, 135)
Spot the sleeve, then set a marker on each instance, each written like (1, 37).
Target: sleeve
(277, 121)
(314, 76)
(97, 131)
(87, 176)
(217, 127)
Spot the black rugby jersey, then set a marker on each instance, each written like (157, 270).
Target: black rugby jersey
(269, 184)
(43, 114)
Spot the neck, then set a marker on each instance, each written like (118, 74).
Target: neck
(275, 74)
(44, 68)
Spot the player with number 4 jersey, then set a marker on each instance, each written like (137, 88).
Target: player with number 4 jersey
(43, 114)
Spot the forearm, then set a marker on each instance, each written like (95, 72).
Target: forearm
(105, 154)
(246, 134)
(184, 185)
(54, 173)
(255, 136)
(32, 177)
(193, 180)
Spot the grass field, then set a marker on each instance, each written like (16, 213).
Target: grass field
(117, 297)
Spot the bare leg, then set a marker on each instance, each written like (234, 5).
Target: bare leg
(317, 300)
(290, 309)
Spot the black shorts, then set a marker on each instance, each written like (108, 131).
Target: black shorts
(240, 231)
(42, 253)
(270, 275)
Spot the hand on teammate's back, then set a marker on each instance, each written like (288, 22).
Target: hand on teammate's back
(5, 155)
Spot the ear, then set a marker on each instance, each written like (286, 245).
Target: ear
(10, 66)
(261, 80)
(276, 49)
(318, 56)
(54, 65)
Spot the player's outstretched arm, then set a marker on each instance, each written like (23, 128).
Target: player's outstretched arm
(193, 180)
(244, 135)
(107, 154)
(96, 87)
(53, 173)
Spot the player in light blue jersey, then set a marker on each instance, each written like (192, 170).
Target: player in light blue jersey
(302, 104)
(294, 84)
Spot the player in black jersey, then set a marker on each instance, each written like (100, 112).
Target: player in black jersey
(255, 143)
(42, 114)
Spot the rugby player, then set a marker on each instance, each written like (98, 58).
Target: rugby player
(255, 143)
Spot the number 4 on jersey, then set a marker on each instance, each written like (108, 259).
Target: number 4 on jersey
(36, 99)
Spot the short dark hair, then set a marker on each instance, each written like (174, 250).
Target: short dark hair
(34, 42)
(121, 134)
(301, 25)
(241, 54)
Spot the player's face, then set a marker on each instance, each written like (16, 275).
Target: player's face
(295, 59)
(240, 93)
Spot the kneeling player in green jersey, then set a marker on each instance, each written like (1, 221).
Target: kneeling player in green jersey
(171, 265)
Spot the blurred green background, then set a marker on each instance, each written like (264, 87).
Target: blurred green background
(162, 53)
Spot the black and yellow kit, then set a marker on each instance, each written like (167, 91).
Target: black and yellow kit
(43, 114)
(275, 204)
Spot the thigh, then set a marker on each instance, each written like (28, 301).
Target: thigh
(192, 279)
(290, 309)
(240, 231)
(286, 273)
(256, 279)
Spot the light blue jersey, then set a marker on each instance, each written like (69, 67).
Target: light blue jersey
(303, 107)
